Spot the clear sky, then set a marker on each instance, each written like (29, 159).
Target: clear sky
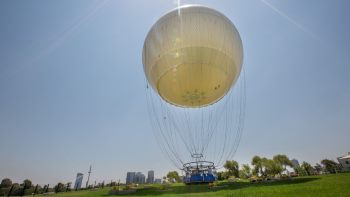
(72, 87)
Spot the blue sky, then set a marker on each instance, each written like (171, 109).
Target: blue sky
(72, 87)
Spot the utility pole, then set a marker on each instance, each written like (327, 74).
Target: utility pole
(87, 182)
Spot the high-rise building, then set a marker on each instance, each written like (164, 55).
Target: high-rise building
(140, 178)
(135, 177)
(78, 181)
(130, 177)
(150, 177)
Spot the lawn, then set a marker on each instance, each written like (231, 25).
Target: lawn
(324, 185)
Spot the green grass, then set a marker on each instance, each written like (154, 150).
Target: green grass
(326, 185)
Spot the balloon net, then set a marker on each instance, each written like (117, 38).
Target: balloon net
(213, 131)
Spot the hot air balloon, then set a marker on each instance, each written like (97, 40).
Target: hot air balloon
(192, 58)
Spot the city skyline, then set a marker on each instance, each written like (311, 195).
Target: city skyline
(72, 85)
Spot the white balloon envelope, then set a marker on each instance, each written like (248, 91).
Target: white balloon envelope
(192, 56)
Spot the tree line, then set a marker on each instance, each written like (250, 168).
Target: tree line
(262, 168)
(7, 188)
(276, 167)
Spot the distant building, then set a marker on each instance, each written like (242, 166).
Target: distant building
(135, 177)
(158, 181)
(150, 177)
(130, 177)
(78, 181)
(295, 163)
(345, 162)
(139, 178)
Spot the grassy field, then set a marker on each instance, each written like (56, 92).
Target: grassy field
(326, 185)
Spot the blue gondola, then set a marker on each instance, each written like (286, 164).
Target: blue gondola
(199, 172)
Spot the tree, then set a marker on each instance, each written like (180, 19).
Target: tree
(245, 171)
(271, 167)
(283, 160)
(232, 167)
(318, 168)
(59, 187)
(222, 176)
(15, 190)
(330, 165)
(68, 187)
(46, 188)
(27, 184)
(257, 163)
(37, 188)
(307, 167)
(173, 175)
(265, 167)
(300, 171)
(6, 183)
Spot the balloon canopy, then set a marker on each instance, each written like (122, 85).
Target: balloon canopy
(192, 56)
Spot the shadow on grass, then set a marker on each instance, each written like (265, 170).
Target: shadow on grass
(183, 189)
